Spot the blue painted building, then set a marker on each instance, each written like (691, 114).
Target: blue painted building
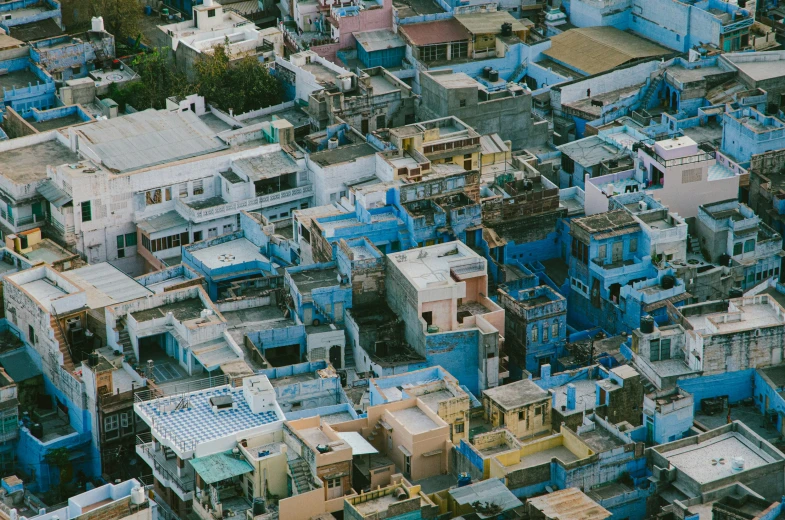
(250, 252)
(319, 293)
(69, 57)
(21, 12)
(674, 24)
(747, 132)
(29, 86)
(535, 326)
(308, 389)
(380, 48)
(667, 415)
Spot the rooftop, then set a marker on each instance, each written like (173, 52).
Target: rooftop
(414, 420)
(343, 154)
(491, 491)
(27, 164)
(148, 138)
(18, 78)
(184, 310)
(379, 40)
(605, 222)
(748, 313)
(491, 22)
(441, 31)
(266, 166)
(229, 253)
(517, 394)
(187, 423)
(105, 285)
(710, 460)
(310, 279)
(410, 8)
(569, 503)
(430, 267)
(760, 66)
(590, 151)
(599, 49)
(585, 396)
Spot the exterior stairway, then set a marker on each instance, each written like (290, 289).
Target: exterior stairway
(125, 341)
(656, 81)
(301, 475)
(68, 362)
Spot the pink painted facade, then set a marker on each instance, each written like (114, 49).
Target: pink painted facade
(377, 17)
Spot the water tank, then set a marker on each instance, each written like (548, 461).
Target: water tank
(332, 143)
(486, 72)
(464, 479)
(259, 507)
(97, 23)
(137, 495)
(92, 359)
(668, 281)
(37, 430)
(507, 29)
(642, 206)
(346, 83)
(736, 292)
(432, 329)
(647, 324)
(737, 463)
(493, 75)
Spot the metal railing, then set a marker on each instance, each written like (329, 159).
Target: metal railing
(147, 451)
(197, 215)
(175, 389)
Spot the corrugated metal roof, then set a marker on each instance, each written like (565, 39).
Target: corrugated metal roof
(569, 503)
(358, 444)
(57, 197)
(597, 49)
(491, 492)
(379, 40)
(220, 466)
(162, 222)
(267, 166)
(106, 285)
(19, 365)
(491, 22)
(148, 138)
(429, 33)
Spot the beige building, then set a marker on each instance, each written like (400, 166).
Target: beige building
(522, 407)
(409, 433)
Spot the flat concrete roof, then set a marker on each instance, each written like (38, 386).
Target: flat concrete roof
(742, 314)
(414, 420)
(233, 252)
(28, 164)
(517, 394)
(43, 292)
(711, 459)
(105, 285)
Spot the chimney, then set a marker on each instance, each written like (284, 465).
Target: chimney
(570, 396)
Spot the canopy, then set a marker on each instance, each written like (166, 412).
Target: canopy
(221, 466)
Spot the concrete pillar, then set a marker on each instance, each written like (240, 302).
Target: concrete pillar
(571, 396)
(545, 371)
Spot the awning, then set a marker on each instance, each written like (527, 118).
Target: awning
(405, 451)
(56, 197)
(221, 466)
(432, 453)
(214, 353)
(358, 444)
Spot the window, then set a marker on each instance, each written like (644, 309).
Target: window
(198, 187)
(522, 415)
(737, 248)
(31, 334)
(749, 245)
(458, 427)
(183, 190)
(123, 241)
(168, 193)
(87, 211)
(197, 236)
(111, 423)
(660, 350)
(534, 334)
(159, 244)
(462, 103)
(545, 331)
(211, 13)
(634, 245)
(602, 253)
(380, 121)
(555, 329)
(212, 232)
(567, 164)
(407, 464)
(152, 197)
(580, 251)
(124, 422)
(538, 410)
(227, 228)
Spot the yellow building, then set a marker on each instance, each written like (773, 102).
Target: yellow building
(522, 407)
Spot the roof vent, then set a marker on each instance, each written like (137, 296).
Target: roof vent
(222, 402)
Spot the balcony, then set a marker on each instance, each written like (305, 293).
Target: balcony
(165, 469)
(232, 208)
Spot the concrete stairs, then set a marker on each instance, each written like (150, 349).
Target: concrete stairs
(125, 341)
(68, 362)
(517, 74)
(654, 85)
(301, 475)
(377, 429)
(348, 357)
(694, 243)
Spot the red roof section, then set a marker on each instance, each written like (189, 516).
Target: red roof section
(441, 31)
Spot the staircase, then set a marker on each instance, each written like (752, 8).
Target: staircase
(168, 453)
(654, 85)
(125, 341)
(348, 358)
(695, 246)
(68, 362)
(301, 475)
(517, 74)
(377, 428)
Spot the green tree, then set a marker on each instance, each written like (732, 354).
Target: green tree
(158, 81)
(240, 85)
(60, 458)
(121, 17)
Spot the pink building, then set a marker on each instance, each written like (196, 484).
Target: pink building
(345, 20)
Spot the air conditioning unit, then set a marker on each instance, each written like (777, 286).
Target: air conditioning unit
(73, 323)
(6, 17)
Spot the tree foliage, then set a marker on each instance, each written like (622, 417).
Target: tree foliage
(159, 80)
(240, 85)
(121, 17)
(60, 458)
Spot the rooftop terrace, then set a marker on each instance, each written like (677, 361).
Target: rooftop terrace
(27, 164)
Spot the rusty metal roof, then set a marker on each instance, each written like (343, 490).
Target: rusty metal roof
(441, 31)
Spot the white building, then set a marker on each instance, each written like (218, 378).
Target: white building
(210, 27)
(176, 178)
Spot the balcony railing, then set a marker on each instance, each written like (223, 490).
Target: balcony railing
(231, 208)
(146, 450)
